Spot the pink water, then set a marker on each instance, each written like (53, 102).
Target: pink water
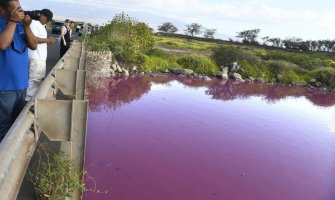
(181, 139)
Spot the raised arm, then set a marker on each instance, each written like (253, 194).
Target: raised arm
(6, 37)
(30, 38)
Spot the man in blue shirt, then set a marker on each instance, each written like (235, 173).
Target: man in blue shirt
(15, 38)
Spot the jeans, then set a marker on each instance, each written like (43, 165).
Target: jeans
(11, 105)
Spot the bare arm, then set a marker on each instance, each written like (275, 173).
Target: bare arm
(6, 37)
(46, 40)
(30, 38)
(62, 35)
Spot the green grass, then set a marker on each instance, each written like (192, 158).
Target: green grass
(326, 76)
(199, 64)
(184, 43)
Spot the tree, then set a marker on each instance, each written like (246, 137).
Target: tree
(168, 27)
(276, 42)
(209, 33)
(249, 36)
(193, 29)
(329, 44)
(314, 45)
(266, 40)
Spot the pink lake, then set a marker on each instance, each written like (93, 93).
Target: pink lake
(168, 138)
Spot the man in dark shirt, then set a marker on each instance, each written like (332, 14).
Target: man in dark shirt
(15, 37)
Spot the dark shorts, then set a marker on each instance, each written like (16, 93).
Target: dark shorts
(11, 105)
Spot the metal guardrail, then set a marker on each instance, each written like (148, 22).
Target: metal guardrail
(61, 119)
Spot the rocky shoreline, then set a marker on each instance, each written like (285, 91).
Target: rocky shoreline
(104, 64)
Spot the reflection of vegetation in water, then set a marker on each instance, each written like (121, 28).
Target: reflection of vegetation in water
(119, 91)
(230, 90)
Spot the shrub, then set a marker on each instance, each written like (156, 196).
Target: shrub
(224, 55)
(55, 177)
(127, 38)
(198, 63)
(326, 76)
(279, 66)
(255, 70)
(290, 77)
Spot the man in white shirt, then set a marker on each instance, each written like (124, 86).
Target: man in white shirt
(38, 57)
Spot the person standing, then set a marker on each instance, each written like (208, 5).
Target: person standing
(15, 37)
(71, 28)
(65, 39)
(38, 57)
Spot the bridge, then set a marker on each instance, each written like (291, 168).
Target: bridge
(58, 110)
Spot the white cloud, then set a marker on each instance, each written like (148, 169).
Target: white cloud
(228, 18)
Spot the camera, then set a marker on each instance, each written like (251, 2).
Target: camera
(35, 14)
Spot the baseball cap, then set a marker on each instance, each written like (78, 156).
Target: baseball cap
(47, 13)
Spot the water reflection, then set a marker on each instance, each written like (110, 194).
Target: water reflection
(111, 93)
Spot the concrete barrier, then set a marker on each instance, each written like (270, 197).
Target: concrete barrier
(58, 110)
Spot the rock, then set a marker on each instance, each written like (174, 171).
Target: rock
(233, 68)
(134, 68)
(182, 76)
(142, 73)
(179, 71)
(222, 75)
(119, 69)
(260, 80)
(114, 67)
(225, 70)
(125, 72)
(248, 80)
(251, 78)
(166, 71)
(312, 81)
(206, 78)
(153, 75)
(236, 76)
(279, 78)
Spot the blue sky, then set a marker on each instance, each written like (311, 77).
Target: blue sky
(308, 19)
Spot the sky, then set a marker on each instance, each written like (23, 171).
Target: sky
(306, 19)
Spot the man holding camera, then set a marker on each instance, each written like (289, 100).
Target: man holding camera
(38, 57)
(15, 37)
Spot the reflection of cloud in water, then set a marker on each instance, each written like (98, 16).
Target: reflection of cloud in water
(112, 93)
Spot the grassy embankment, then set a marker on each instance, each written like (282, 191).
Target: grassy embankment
(133, 43)
(272, 65)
